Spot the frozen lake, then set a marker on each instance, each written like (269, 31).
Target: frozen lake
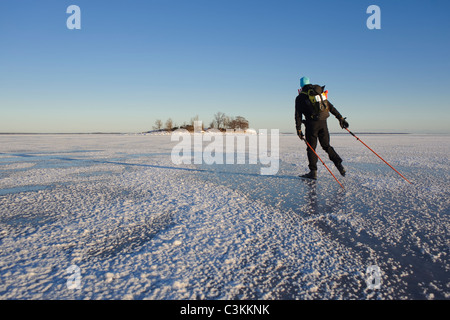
(138, 226)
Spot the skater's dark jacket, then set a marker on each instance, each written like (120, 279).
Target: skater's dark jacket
(304, 107)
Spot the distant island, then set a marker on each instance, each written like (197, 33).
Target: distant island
(221, 122)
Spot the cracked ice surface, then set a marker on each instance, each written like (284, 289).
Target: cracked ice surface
(140, 227)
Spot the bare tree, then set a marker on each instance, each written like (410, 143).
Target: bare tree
(228, 122)
(197, 126)
(219, 119)
(196, 118)
(158, 125)
(169, 124)
(241, 123)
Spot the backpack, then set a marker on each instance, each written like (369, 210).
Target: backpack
(317, 96)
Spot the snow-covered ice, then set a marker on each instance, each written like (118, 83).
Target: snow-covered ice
(140, 227)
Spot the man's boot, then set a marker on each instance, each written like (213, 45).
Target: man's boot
(311, 175)
(341, 169)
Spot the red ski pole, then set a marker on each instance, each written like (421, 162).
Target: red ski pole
(376, 154)
(324, 164)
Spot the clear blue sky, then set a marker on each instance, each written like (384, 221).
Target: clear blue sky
(136, 61)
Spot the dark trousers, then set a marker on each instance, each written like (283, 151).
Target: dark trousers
(319, 130)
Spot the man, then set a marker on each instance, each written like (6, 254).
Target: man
(312, 103)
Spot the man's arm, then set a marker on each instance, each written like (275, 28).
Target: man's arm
(335, 112)
(298, 114)
(298, 119)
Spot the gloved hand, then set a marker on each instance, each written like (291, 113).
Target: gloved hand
(300, 134)
(344, 124)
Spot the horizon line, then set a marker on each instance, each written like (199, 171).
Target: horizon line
(146, 132)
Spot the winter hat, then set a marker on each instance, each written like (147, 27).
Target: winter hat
(304, 81)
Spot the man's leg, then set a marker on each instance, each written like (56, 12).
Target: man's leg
(324, 139)
(311, 138)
